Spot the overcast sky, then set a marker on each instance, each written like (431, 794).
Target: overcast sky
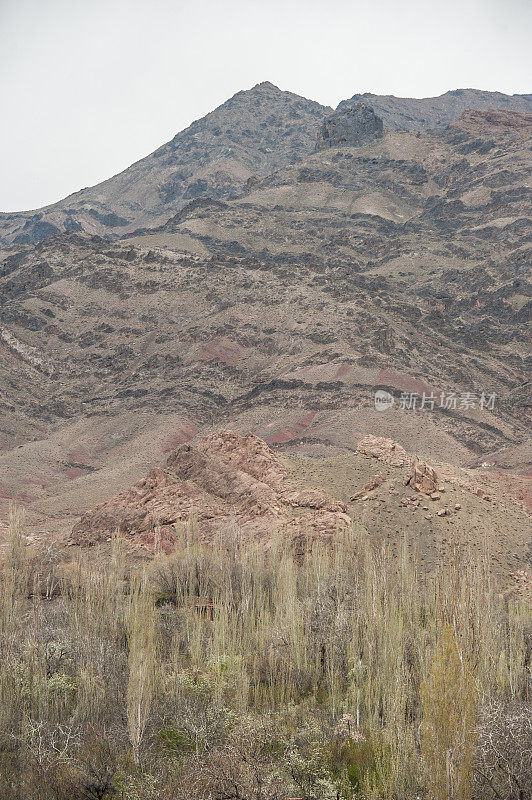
(89, 86)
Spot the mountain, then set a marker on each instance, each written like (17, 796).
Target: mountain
(414, 114)
(253, 133)
(264, 468)
(396, 261)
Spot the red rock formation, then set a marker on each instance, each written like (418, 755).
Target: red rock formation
(226, 480)
(422, 478)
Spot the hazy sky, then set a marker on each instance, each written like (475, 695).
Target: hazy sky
(89, 86)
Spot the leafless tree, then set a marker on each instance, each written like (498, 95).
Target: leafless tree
(504, 756)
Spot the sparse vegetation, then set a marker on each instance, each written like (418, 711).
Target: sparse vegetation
(246, 672)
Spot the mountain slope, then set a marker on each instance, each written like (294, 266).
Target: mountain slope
(255, 132)
(399, 264)
(225, 480)
(413, 114)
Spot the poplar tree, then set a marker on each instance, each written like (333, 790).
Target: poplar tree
(449, 723)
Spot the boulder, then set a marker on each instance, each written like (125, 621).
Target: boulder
(422, 478)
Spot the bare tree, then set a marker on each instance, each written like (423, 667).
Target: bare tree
(504, 756)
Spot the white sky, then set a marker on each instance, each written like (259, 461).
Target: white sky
(89, 86)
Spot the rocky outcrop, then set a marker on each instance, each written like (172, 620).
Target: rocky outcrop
(422, 478)
(311, 498)
(370, 486)
(226, 481)
(385, 450)
(353, 126)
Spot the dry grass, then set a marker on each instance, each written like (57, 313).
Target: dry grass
(157, 678)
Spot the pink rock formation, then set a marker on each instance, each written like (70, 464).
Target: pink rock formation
(422, 478)
(385, 450)
(227, 480)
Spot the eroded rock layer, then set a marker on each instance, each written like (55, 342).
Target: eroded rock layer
(227, 481)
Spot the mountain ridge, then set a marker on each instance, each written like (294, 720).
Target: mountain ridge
(255, 141)
(424, 113)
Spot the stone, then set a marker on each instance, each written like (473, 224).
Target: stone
(372, 484)
(422, 478)
(311, 498)
(435, 496)
(385, 450)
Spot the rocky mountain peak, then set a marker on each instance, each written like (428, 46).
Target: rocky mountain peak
(352, 126)
(255, 132)
(278, 100)
(265, 86)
